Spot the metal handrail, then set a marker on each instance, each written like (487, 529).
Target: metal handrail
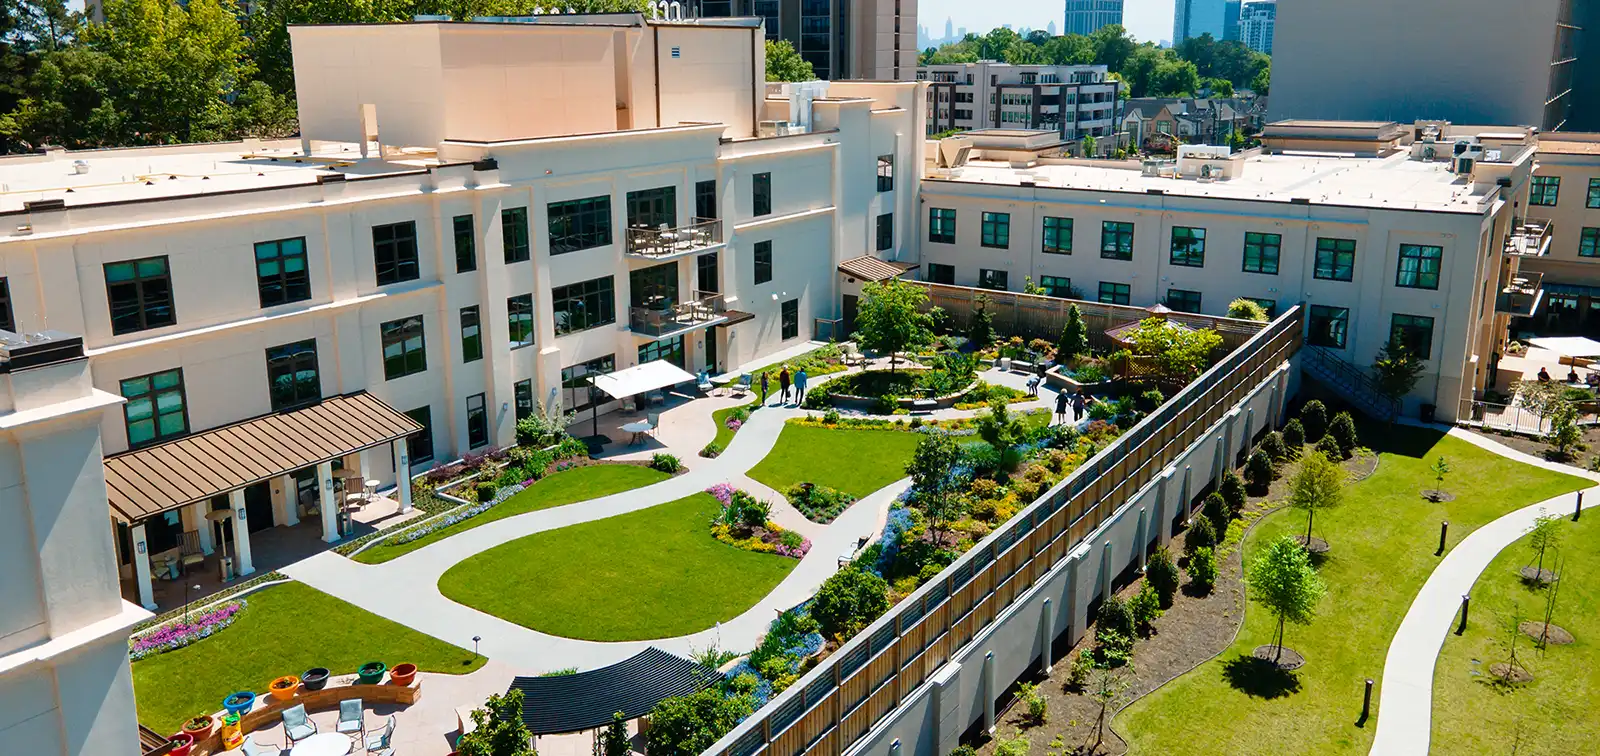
(1339, 368)
(1527, 236)
(664, 242)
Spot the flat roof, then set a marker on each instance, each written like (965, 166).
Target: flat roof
(1322, 124)
(1563, 147)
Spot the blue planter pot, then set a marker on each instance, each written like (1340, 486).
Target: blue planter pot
(239, 703)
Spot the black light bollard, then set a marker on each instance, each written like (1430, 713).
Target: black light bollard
(1577, 509)
(1466, 600)
(1444, 532)
(1366, 701)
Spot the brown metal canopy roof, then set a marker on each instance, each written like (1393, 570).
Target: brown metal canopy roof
(869, 268)
(147, 482)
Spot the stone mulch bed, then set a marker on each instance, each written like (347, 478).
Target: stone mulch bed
(1556, 635)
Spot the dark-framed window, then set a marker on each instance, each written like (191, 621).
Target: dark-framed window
(281, 275)
(465, 233)
(471, 335)
(523, 392)
(1056, 286)
(708, 274)
(576, 392)
(1414, 333)
(1589, 243)
(156, 410)
(579, 224)
(1328, 326)
(519, 320)
(1261, 252)
(1188, 247)
(477, 421)
(791, 319)
(1114, 293)
(670, 350)
(705, 199)
(1544, 191)
(942, 225)
(993, 279)
(1336, 259)
(514, 234)
(1270, 305)
(1418, 267)
(292, 378)
(763, 266)
(885, 231)
(1116, 240)
(653, 208)
(1057, 236)
(394, 253)
(8, 321)
(1593, 200)
(404, 348)
(583, 305)
(941, 273)
(761, 194)
(419, 445)
(886, 173)
(1183, 300)
(140, 295)
(996, 230)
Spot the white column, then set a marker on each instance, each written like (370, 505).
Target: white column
(330, 508)
(141, 568)
(242, 565)
(202, 525)
(366, 464)
(291, 501)
(402, 475)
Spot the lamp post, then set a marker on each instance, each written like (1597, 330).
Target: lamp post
(186, 601)
(475, 640)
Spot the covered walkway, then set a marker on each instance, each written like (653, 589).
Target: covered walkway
(589, 700)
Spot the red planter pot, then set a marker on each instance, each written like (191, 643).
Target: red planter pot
(403, 674)
(182, 744)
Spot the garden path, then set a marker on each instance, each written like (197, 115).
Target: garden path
(1405, 704)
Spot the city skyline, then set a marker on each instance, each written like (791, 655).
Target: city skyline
(1146, 19)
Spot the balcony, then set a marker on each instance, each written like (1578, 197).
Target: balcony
(664, 243)
(1529, 238)
(1522, 296)
(705, 310)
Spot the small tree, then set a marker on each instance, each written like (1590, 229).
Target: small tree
(934, 482)
(1162, 573)
(1513, 639)
(1396, 371)
(1440, 468)
(1318, 485)
(1550, 605)
(615, 740)
(998, 427)
(1258, 471)
(1329, 446)
(1343, 430)
(689, 725)
(1202, 535)
(1107, 687)
(1247, 309)
(785, 64)
(1283, 580)
(1074, 337)
(498, 729)
(1203, 570)
(849, 600)
(890, 318)
(1273, 445)
(1314, 419)
(1233, 492)
(1543, 536)
(1215, 509)
(1564, 430)
(1029, 287)
(1090, 145)
(1145, 606)
(981, 328)
(1294, 438)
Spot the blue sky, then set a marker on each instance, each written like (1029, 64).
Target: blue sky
(1145, 19)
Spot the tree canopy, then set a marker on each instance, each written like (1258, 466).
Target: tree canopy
(890, 318)
(1282, 579)
(785, 64)
(1316, 486)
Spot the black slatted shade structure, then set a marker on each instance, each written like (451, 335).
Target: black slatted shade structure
(587, 700)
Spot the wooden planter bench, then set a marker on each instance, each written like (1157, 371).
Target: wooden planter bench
(268, 711)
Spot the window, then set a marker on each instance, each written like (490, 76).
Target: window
(404, 352)
(941, 273)
(1329, 326)
(1593, 200)
(992, 279)
(670, 350)
(1261, 252)
(394, 252)
(155, 408)
(942, 225)
(1183, 300)
(761, 194)
(514, 234)
(281, 275)
(1336, 260)
(477, 422)
(1414, 333)
(1056, 286)
(1545, 190)
(707, 273)
(471, 335)
(885, 231)
(1114, 293)
(7, 321)
(576, 391)
(466, 237)
(1270, 305)
(519, 315)
(1057, 236)
(1589, 243)
(419, 445)
(997, 230)
(523, 393)
(579, 224)
(763, 267)
(705, 200)
(292, 378)
(1189, 247)
(140, 295)
(791, 319)
(885, 173)
(1419, 267)
(583, 305)
(1116, 240)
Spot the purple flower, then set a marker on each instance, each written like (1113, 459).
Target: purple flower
(177, 634)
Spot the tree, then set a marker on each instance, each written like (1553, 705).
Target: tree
(1262, 83)
(1247, 309)
(1232, 489)
(1020, 53)
(615, 741)
(1396, 371)
(1343, 430)
(1112, 45)
(1074, 337)
(1107, 687)
(890, 318)
(1543, 536)
(1283, 580)
(1089, 144)
(1318, 485)
(1258, 471)
(785, 64)
(998, 427)
(1162, 573)
(1440, 469)
(1069, 50)
(934, 482)
(1203, 569)
(1314, 418)
(1564, 430)
(689, 725)
(1180, 353)
(1202, 535)
(980, 331)
(498, 729)
(849, 600)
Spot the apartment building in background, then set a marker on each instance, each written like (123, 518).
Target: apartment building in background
(1074, 101)
(1564, 205)
(867, 39)
(1088, 16)
(1257, 21)
(1401, 61)
(1193, 18)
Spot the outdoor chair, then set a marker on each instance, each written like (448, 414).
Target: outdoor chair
(190, 553)
(743, 386)
(296, 725)
(654, 419)
(251, 748)
(378, 742)
(703, 382)
(350, 719)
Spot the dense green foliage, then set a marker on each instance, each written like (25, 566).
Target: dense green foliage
(785, 64)
(498, 729)
(689, 725)
(849, 600)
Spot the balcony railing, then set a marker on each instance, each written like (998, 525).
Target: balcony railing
(705, 309)
(1521, 297)
(667, 242)
(1529, 238)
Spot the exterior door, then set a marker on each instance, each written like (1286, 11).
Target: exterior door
(258, 506)
(851, 303)
(711, 352)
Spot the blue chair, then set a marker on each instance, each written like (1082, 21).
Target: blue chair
(378, 742)
(350, 719)
(296, 725)
(251, 748)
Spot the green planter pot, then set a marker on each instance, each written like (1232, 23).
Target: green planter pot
(370, 673)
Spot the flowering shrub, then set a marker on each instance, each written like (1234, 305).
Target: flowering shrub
(734, 423)
(743, 524)
(178, 633)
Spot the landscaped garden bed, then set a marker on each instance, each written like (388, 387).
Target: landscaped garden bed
(186, 630)
(825, 360)
(743, 524)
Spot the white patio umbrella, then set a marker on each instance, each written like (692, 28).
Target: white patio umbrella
(637, 380)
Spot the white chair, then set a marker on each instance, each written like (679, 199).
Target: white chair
(251, 748)
(703, 382)
(350, 719)
(378, 742)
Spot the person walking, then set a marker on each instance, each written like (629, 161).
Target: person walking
(1079, 401)
(783, 386)
(763, 388)
(800, 386)
(1061, 407)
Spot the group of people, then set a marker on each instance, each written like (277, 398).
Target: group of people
(1079, 402)
(799, 382)
(1592, 380)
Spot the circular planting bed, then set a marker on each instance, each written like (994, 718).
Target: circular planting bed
(1437, 497)
(1312, 546)
(864, 391)
(1510, 674)
(1290, 661)
(1555, 634)
(1532, 574)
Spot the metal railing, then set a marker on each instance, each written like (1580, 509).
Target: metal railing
(1528, 237)
(1522, 295)
(1351, 382)
(665, 242)
(1516, 418)
(837, 702)
(704, 309)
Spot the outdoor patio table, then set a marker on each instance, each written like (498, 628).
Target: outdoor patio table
(722, 381)
(638, 429)
(323, 744)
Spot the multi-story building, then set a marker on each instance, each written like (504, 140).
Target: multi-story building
(1564, 205)
(1257, 21)
(1408, 62)
(1230, 20)
(1087, 16)
(1375, 257)
(1075, 101)
(1193, 120)
(870, 39)
(1192, 18)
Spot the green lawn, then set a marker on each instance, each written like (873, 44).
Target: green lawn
(285, 630)
(654, 573)
(1555, 712)
(857, 462)
(575, 485)
(1383, 542)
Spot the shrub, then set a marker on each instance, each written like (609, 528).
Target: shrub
(1203, 570)
(1329, 446)
(1113, 649)
(1233, 492)
(831, 417)
(963, 749)
(849, 600)
(1149, 401)
(485, 491)
(1246, 309)
(1294, 438)
(665, 463)
(1078, 671)
(984, 488)
(1017, 746)
(1343, 430)
(816, 400)
(688, 725)
(1215, 509)
(818, 503)
(1114, 617)
(1272, 444)
(711, 450)
(1038, 708)
(791, 539)
(1314, 416)
(1201, 536)
(1145, 606)
(1162, 574)
(1258, 471)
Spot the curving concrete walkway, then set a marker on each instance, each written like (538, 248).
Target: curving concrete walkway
(1405, 704)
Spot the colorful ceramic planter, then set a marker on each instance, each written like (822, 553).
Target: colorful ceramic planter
(284, 688)
(370, 673)
(239, 703)
(182, 744)
(314, 678)
(199, 727)
(403, 674)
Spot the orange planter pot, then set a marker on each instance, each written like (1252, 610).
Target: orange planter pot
(284, 688)
(403, 674)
